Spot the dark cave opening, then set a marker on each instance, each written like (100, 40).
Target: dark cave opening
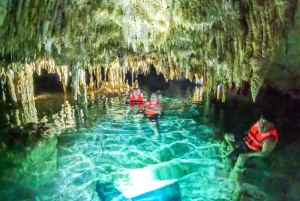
(48, 83)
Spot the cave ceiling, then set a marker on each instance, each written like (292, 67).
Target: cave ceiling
(223, 41)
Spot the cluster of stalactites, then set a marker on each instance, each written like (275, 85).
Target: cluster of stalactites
(145, 23)
(17, 88)
(232, 41)
(50, 67)
(17, 79)
(109, 78)
(263, 40)
(239, 51)
(17, 85)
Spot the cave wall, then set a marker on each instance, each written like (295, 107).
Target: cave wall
(285, 73)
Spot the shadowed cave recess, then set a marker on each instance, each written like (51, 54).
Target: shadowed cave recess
(67, 67)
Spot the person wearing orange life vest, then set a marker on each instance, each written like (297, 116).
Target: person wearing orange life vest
(260, 140)
(136, 97)
(153, 107)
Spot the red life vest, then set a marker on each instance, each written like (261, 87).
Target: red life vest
(140, 98)
(254, 139)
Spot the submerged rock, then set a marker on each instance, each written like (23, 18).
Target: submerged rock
(23, 136)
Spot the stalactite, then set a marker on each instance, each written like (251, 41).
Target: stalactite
(91, 72)
(265, 25)
(281, 5)
(80, 89)
(3, 82)
(98, 76)
(83, 93)
(270, 13)
(63, 73)
(198, 94)
(210, 88)
(75, 81)
(224, 91)
(258, 75)
(219, 92)
(19, 9)
(28, 74)
(11, 89)
(19, 77)
(241, 47)
(172, 73)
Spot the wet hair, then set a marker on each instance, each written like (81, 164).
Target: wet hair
(270, 117)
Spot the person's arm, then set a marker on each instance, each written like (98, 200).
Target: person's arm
(268, 146)
(156, 109)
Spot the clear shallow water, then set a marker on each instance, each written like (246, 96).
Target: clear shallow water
(106, 150)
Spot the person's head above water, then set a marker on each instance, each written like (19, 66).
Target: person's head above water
(136, 92)
(266, 122)
(154, 98)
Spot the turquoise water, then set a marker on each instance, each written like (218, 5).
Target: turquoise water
(107, 150)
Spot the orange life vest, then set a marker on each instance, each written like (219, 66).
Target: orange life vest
(150, 106)
(132, 99)
(254, 139)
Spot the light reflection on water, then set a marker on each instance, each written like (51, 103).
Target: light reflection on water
(108, 142)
